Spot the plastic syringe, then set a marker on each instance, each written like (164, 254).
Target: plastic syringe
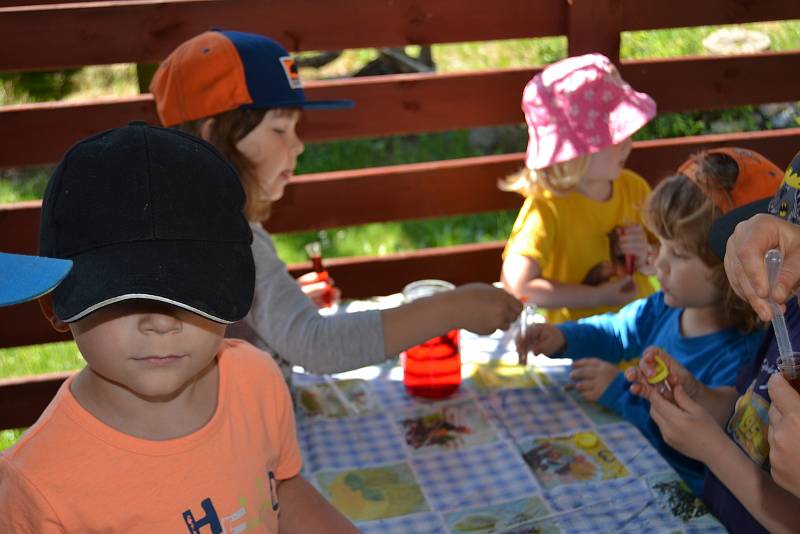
(773, 260)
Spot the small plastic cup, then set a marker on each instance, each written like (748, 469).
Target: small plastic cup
(790, 369)
(659, 380)
(432, 369)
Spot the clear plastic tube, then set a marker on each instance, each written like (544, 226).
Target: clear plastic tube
(773, 260)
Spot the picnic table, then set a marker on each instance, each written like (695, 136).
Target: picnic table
(513, 450)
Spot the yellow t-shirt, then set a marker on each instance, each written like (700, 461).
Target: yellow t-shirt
(72, 473)
(568, 236)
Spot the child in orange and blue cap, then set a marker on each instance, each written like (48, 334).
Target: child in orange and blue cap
(241, 92)
(578, 247)
(169, 427)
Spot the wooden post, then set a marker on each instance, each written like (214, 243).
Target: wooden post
(594, 26)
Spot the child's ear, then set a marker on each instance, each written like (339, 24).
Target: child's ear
(206, 129)
(46, 305)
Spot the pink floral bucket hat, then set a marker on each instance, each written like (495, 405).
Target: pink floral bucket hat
(580, 105)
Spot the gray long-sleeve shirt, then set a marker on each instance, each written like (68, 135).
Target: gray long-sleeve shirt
(284, 322)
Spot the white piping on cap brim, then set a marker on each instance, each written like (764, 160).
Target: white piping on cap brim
(144, 296)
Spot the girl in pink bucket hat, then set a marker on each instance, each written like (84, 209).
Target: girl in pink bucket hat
(578, 247)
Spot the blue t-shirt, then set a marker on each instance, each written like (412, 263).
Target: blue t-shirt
(748, 426)
(714, 359)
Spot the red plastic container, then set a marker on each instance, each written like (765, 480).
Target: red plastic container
(432, 369)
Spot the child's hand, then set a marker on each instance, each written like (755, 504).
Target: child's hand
(616, 292)
(541, 338)
(633, 241)
(784, 433)
(686, 426)
(319, 287)
(647, 368)
(484, 308)
(592, 376)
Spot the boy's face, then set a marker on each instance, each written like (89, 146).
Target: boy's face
(684, 278)
(149, 348)
(272, 149)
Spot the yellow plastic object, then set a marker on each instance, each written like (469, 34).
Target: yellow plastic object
(661, 372)
(585, 440)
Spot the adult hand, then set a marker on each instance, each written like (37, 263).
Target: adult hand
(744, 260)
(320, 288)
(784, 434)
(484, 308)
(541, 338)
(592, 376)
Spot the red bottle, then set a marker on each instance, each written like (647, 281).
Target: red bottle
(314, 251)
(432, 369)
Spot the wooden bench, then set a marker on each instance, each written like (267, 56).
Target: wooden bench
(50, 35)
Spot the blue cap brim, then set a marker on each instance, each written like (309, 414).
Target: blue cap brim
(28, 277)
(305, 104)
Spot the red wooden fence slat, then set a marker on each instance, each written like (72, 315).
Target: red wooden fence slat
(23, 399)
(154, 28)
(637, 15)
(88, 34)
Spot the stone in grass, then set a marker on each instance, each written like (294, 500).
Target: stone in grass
(736, 41)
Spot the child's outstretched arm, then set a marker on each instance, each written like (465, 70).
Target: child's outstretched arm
(479, 308)
(304, 510)
(690, 429)
(522, 276)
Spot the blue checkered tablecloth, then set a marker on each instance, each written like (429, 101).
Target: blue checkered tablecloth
(490, 459)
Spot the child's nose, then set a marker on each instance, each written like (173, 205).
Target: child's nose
(159, 322)
(299, 146)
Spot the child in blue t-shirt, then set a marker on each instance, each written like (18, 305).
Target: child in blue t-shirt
(696, 317)
(727, 428)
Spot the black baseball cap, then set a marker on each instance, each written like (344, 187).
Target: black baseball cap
(148, 213)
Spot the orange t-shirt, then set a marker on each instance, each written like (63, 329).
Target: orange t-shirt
(72, 473)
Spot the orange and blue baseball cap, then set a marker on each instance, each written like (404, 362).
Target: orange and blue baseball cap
(218, 71)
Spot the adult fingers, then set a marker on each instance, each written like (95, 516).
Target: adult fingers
(775, 416)
(783, 396)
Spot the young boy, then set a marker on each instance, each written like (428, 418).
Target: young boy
(169, 427)
(727, 427)
(695, 317)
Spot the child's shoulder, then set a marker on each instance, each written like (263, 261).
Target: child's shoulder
(248, 362)
(633, 180)
(51, 442)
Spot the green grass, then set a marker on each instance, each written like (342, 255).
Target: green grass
(371, 239)
(36, 360)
